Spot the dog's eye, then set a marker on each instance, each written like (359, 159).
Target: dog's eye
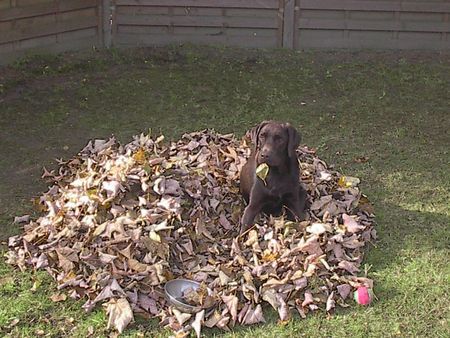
(262, 136)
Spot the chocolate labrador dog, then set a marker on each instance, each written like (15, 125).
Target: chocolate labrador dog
(274, 144)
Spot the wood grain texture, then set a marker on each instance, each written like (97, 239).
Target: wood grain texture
(221, 19)
(202, 3)
(49, 26)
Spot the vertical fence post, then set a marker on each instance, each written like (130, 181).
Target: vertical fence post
(280, 20)
(106, 14)
(288, 24)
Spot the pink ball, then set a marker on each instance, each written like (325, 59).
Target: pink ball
(363, 295)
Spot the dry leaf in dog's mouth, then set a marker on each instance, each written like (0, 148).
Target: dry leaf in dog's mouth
(262, 171)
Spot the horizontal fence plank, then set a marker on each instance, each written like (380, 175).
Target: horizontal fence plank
(45, 8)
(65, 37)
(157, 10)
(23, 3)
(196, 11)
(132, 40)
(377, 25)
(45, 47)
(51, 28)
(202, 3)
(77, 35)
(142, 30)
(312, 39)
(197, 21)
(373, 5)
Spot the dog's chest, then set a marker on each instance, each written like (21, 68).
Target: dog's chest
(278, 185)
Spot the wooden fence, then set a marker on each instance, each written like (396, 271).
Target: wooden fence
(59, 25)
(373, 24)
(50, 26)
(255, 23)
(298, 24)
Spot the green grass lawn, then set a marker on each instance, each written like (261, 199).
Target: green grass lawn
(392, 108)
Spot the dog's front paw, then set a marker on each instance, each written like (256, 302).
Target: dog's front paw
(247, 218)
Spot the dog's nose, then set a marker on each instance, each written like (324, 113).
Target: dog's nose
(264, 155)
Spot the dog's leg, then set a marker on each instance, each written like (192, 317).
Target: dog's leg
(250, 212)
(254, 207)
(296, 205)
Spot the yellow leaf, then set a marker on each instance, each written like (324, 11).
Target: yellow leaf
(92, 193)
(269, 256)
(35, 286)
(348, 181)
(154, 236)
(99, 229)
(252, 238)
(262, 171)
(139, 156)
(38, 205)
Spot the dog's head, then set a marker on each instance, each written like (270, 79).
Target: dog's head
(275, 143)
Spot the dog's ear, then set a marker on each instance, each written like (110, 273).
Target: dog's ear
(293, 140)
(254, 133)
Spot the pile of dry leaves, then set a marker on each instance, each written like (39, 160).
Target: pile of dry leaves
(119, 221)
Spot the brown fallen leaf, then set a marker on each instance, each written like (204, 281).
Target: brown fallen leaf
(231, 302)
(308, 299)
(197, 323)
(58, 297)
(213, 319)
(318, 228)
(254, 316)
(13, 323)
(365, 205)
(181, 317)
(148, 304)
(270, 296)
(361, 159)
(120, 314)
(349, 266)
(243, 312)
(90, 331)
(344, 290)
(223, 323)
(311, 245)
(283, 309)
(330, 305)
(351, 225)
(22, 219)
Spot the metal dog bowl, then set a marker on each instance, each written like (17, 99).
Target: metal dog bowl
(174, 292)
